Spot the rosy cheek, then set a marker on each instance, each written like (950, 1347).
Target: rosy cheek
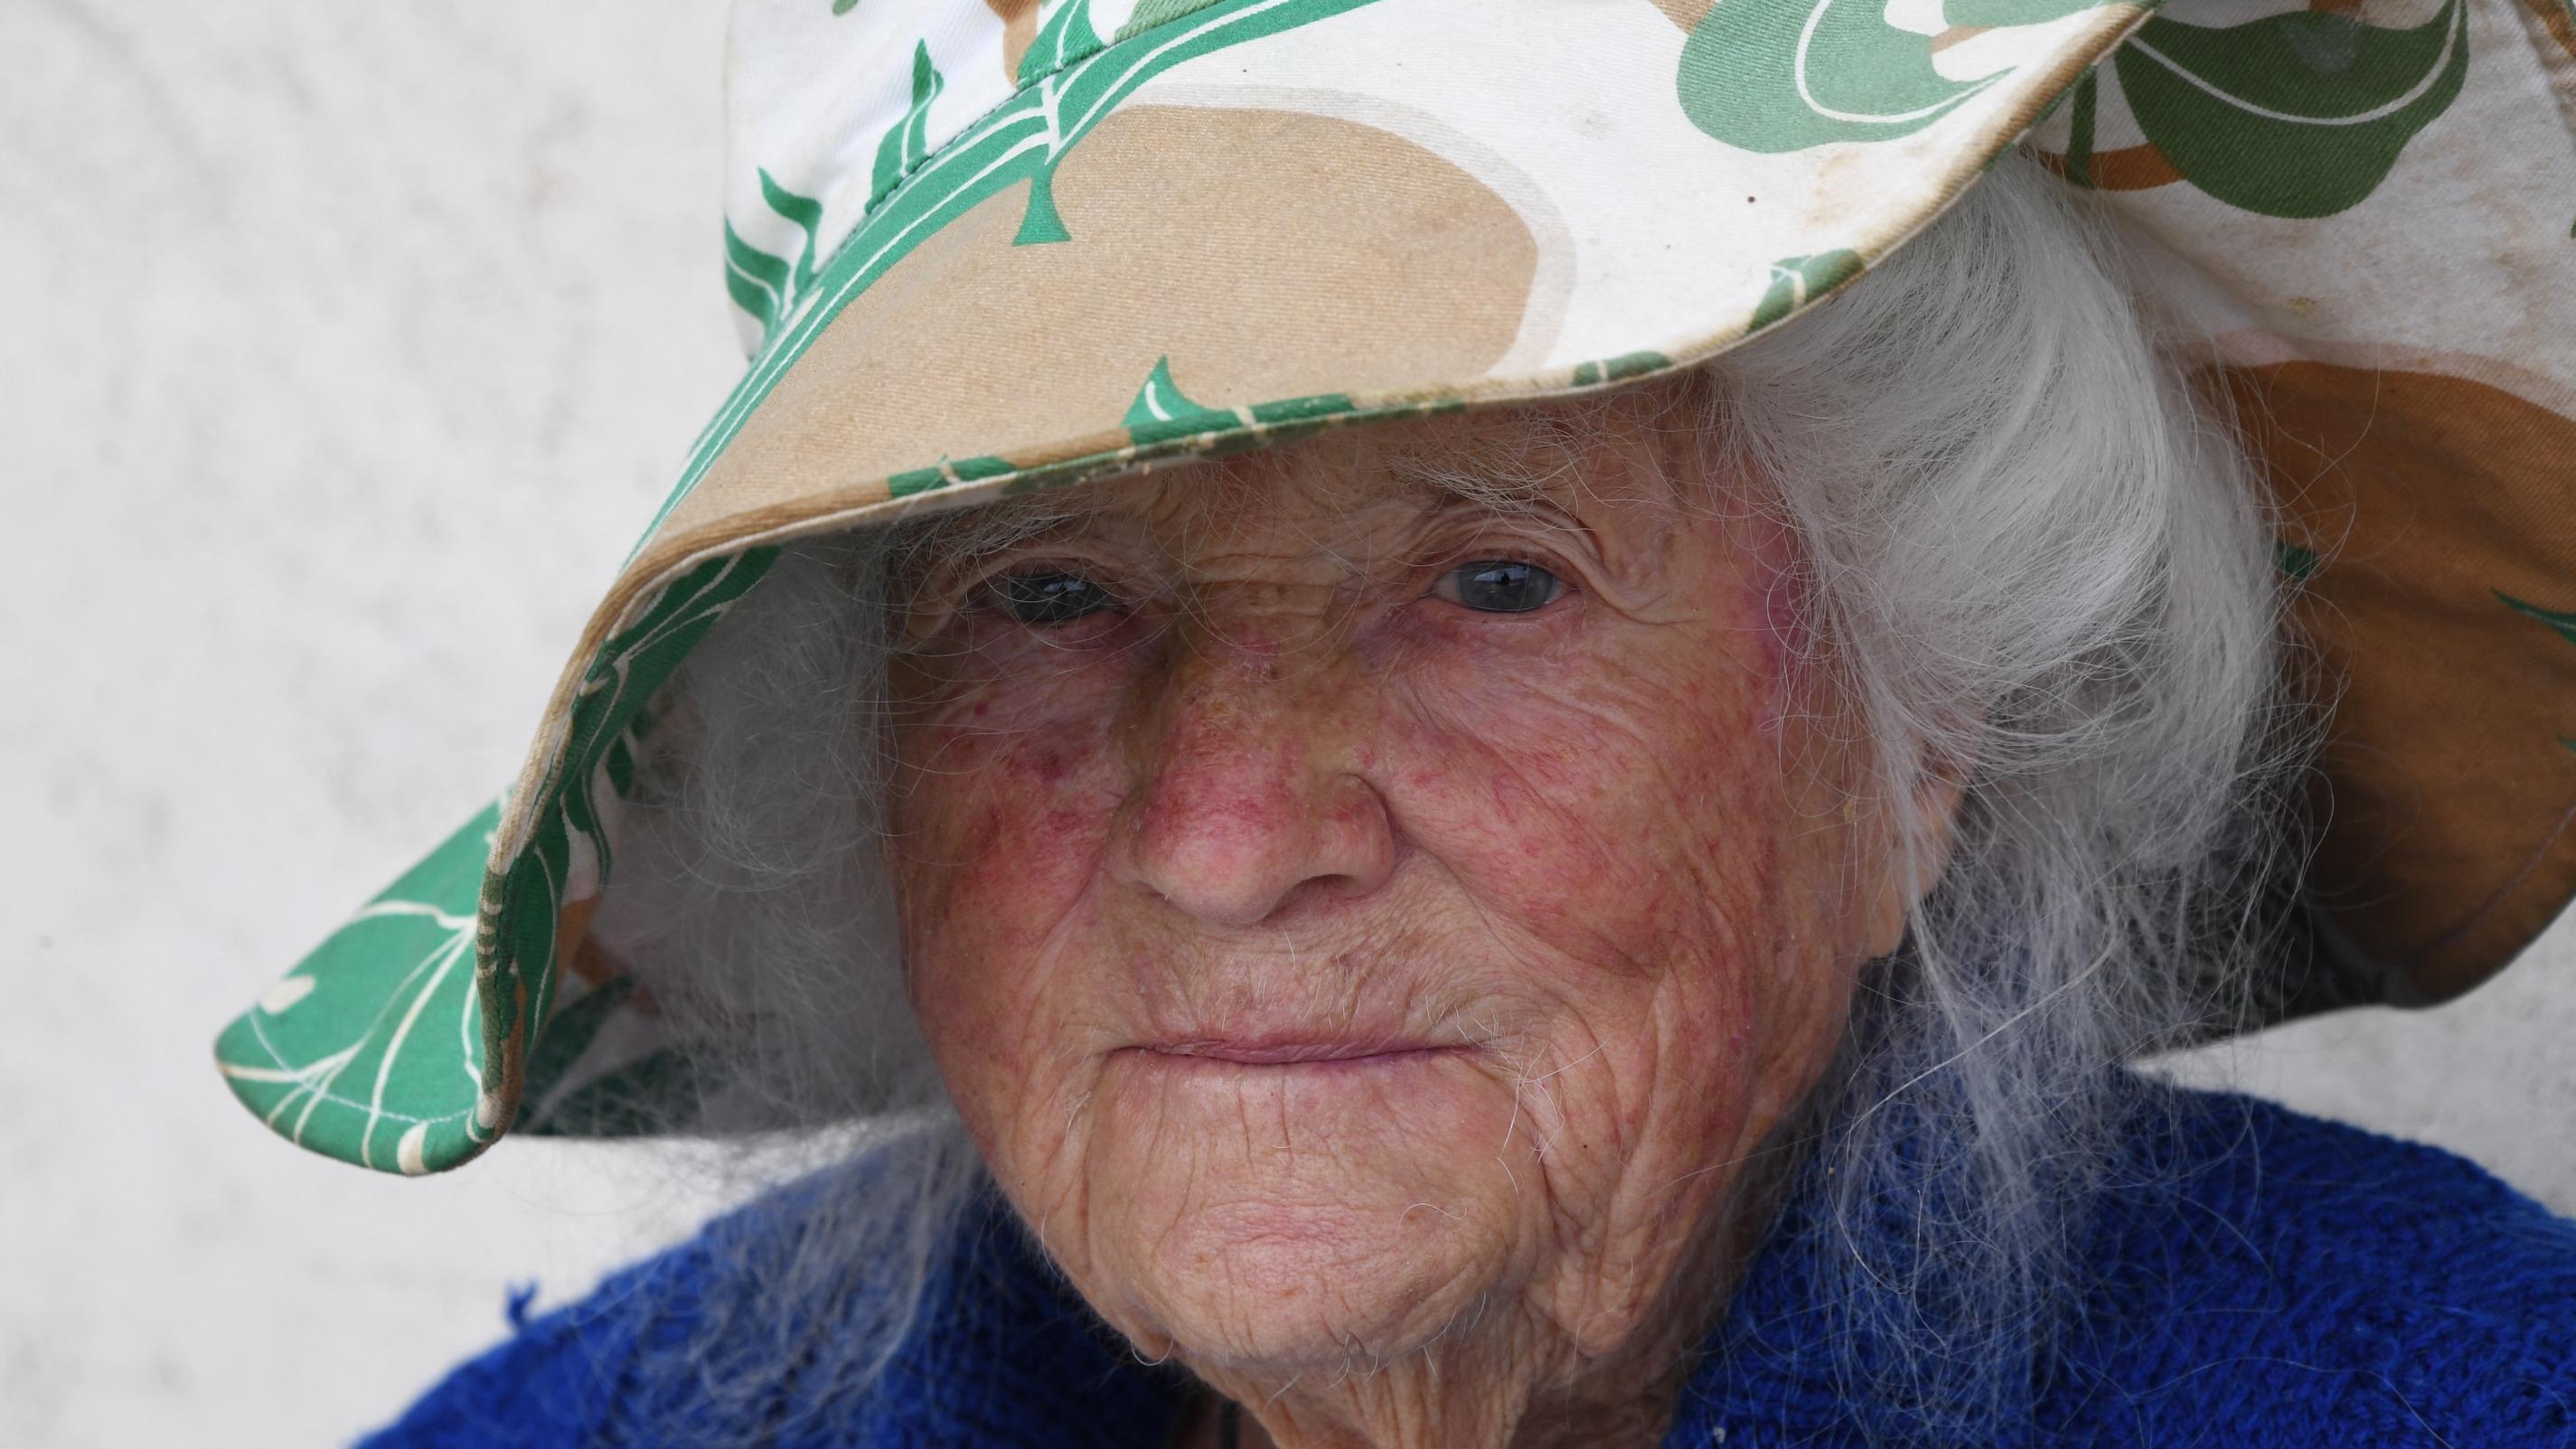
(1025, 836)
(1001, 831)
(1616, 802)
(1525, 809)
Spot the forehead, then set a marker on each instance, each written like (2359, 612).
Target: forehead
(1617, 464)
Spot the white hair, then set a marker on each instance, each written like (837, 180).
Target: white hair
(2038, 570)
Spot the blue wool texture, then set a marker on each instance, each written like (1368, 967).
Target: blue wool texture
(2273, 1280)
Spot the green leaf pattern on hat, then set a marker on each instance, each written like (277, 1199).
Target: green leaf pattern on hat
(1162, 411)
(1796, 281)
(1776, 78)
(766, 286)
(2299, 114)
(907, 145)
(1065, 38)
(376, 1049)
(326, 1055)
(1151, 13)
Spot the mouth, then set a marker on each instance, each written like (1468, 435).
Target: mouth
(1296, 1052)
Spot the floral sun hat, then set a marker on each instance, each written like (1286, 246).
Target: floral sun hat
(984, 246)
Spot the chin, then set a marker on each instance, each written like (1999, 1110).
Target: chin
(1295, 1287)
(1318, 1213)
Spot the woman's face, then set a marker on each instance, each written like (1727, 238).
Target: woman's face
(1351, 915)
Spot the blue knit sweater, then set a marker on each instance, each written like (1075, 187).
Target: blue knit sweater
(2287, 1283)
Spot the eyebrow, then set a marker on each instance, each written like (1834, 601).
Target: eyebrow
(1500, 490)
(982, 530)
(1531, 464)
(1532, 460)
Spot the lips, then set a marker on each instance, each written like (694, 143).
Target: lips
(1307, 1051)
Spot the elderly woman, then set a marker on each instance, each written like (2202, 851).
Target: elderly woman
(1612, 915)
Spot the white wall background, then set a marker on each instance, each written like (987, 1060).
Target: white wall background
(342, 350)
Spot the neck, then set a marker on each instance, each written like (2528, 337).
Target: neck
(1527, 1380)
(1456, 1400)
(1524, 1380)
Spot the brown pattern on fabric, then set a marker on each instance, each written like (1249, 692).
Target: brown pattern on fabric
(1297, 286)
(573, 946)
(2428, 500)
(2555, 19)
(1019, 27)
(1686, 13)
(2131, 168)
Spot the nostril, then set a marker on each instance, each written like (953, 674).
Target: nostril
(1325, 890)
(1237, 847)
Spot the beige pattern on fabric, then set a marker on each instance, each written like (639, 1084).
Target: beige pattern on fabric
(2557, 20)
(1019, 27)
(2425, 498)
(1366, 229)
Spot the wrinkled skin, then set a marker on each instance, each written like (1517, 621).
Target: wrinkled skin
(1373, 1001)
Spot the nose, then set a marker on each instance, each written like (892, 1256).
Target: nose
(1249, 805)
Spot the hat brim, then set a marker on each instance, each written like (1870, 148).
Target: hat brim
(1248, 222)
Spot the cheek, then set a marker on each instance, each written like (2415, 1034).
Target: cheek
(996, 834)
(999, 789)
(1628, 798)
(1620, 801)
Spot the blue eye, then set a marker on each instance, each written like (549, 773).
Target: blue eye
(1042, 599)
(1500, 586)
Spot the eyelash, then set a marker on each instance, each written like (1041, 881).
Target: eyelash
(1466, 570)
(992, 591)
(996, 592)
